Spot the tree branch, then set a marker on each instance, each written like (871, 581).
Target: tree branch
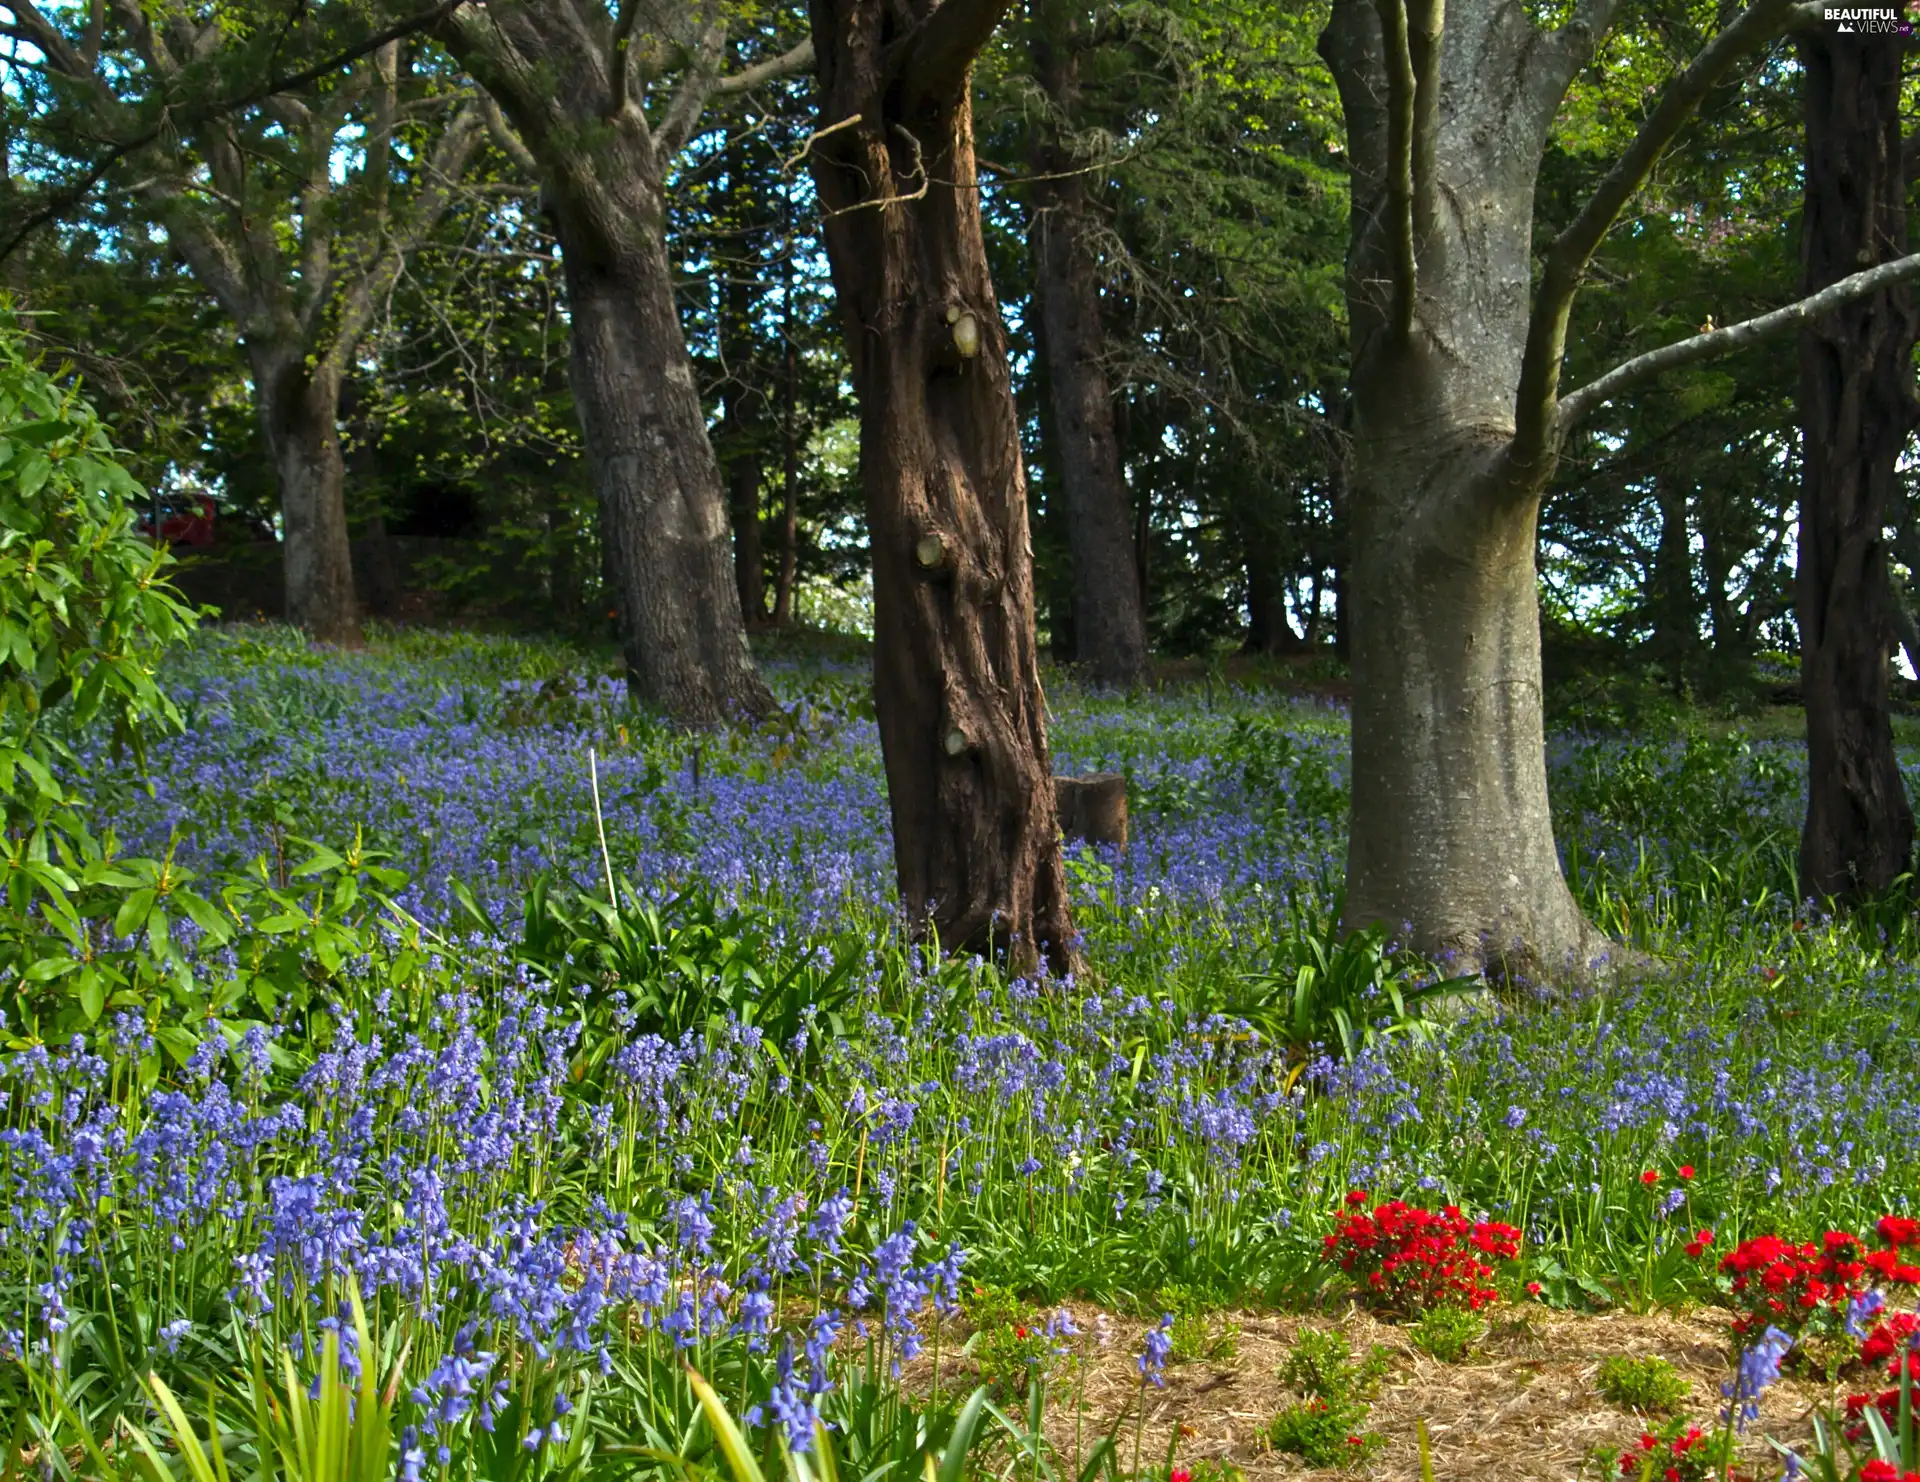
(447, 163)
(505, 139)
(690, 99)
(619, 71)
(785, 65)
(1402, 103)
(64, 198)
(1733, 337)
(1567, 259)
(1426, 20)
(932, 59)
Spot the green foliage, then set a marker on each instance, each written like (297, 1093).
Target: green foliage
(85, 607)
(1341, 991)
(1325, 1427)
(1200, 1334)
(1649, 1385)
(1447, 1332)
(1010, 1345)
(681, 964)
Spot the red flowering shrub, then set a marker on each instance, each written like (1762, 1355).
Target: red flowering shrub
(1885, 1471)
(1413, 1259)
(1888, 1342)
(1795, 1287)
(1681, 1453)
(1887, 1336)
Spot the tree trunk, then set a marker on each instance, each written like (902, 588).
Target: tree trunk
(1268, 630)
(1856, 411)
(1674, 622)
(1450, 831)
(789, 567)
(956, 673)
(1109, 625)
(663, 513)
(741, 425)
(299, 415)
(1450, 839)
(661, 509)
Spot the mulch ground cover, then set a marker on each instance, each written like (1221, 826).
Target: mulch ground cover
(1524, 1405)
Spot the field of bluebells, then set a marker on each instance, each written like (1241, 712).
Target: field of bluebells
(559, 1152)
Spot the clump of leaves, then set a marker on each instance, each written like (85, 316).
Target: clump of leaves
(1325, 1427)
(1648, 1386)
(1447, 1332)
(1200, 1335)
(1210, 1469)
(1010, 1344)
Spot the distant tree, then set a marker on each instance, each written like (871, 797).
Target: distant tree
(575, 81)
(298, 252)
(1109, 617)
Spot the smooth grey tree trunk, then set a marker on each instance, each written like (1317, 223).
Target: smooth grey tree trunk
(1451, 839)
(1451, 833)
(299, 416)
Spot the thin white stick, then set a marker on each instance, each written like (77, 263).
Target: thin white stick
(600, 825)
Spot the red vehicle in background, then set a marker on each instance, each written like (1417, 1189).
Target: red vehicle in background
(179, 520)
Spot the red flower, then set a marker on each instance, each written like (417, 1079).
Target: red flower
(1533, 1289)
(1898, 1230)
(1698, 1245)
(1356, 1197)
(1686, 1172)
(1416, 1258)
(1650, 1178)
(1180, 1474)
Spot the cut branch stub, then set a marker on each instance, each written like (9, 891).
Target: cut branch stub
(1093, 808)
(966, 335)
(956, 741)
(930, 551)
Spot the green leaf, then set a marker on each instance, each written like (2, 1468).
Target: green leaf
(92, 995)
(733, 1445)
(133, 912)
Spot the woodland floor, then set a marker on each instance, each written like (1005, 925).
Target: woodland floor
(1523, 1406)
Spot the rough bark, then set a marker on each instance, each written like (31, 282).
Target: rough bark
(956, 674)
(559, 72)
(299, 411)
(1675, 623)
(1857, 411)
(749, 562)
(661, 509)
(1109, 625)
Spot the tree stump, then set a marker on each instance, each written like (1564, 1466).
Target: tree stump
(1093, 808)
